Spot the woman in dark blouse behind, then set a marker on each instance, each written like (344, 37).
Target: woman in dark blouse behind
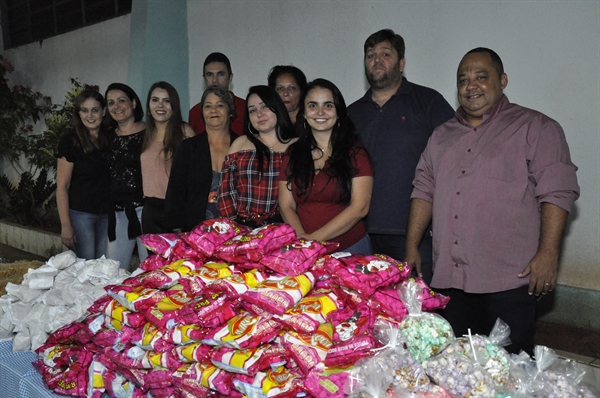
(82, 179)
(126, 193)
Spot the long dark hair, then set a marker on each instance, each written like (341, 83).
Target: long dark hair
(138, 112)
(344, 144)
(284, 129)
(82, 132)
(174, 131)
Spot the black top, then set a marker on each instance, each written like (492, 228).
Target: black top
(395, 135)
(189, 183)
(125, 169)
(126, 190)
(88, 189)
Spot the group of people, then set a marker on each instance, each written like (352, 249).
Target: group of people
(475, 199)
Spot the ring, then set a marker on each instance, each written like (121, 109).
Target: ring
(547, 284)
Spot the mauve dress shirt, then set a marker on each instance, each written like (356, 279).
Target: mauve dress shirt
(487, 185)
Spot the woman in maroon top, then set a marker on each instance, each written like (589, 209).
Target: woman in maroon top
(326, 182)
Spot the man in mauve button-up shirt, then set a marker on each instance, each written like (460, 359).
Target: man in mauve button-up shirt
(499, 182)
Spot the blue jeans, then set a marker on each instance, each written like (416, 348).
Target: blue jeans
(121, 248)
(90, 232)
(363, 246)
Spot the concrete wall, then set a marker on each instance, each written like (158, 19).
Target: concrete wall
(550, 51)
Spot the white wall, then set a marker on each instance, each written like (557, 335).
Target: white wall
(550, 50)
(97, 54)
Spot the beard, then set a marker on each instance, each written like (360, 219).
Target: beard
(386, 80)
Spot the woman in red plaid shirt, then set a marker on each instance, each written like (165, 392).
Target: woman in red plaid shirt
(249, 179)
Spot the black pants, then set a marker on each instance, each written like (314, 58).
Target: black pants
(153, 216)
(479, 312)
(393, 246)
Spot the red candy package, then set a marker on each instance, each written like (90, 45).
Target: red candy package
(351, 322)
(309, 349)
(149, 337)
(248, 361)
(309, 313)
(72, 381)
(207, 310)
(294, 258)
(164, 313)
(366, 273)
(244, 331)
(116, 311)
(160, 244)
(183, 250)
(277, 295)
(209, 235)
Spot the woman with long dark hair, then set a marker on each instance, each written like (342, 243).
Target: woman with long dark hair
(165, 130)
(249, 179)
(126, 136)
(326, 183)
(82, 179)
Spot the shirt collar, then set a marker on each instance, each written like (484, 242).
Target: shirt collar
(404, 89)
(488, 115)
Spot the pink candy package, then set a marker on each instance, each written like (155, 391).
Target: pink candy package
(309, 349)
(160, 244)
(248, 361)
(279, 382)
(351, 322)
(295, 257)
(166, 276)
(116, 311)
(196, 281)
(185, 334)
(154, 261)
(244, 331)
(327, 382)
(183, 250)
(193, 352)
(253, 245)
(149, 337)
(277, 295)
(309, 312)
(201, 377)
(236, 284)
(366, 273)
(209, 235)
(207, 310)
(72, 381)
(165, 313)
(135, 298)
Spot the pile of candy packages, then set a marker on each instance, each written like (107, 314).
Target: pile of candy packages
(225, 311)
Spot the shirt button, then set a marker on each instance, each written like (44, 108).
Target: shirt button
(456, 217)
(456, 242)
(380, 110)
(475, 129)
(463, 172)
(456, 265)
(469, 150)
(458, 193)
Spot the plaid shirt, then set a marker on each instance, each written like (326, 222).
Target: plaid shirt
(244, 192)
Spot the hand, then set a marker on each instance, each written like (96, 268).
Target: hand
(413, 258)
(542, 271)
(67, 236)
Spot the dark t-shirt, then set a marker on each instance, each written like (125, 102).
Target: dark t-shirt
(88, 189)
(125, 169)
(395, 135)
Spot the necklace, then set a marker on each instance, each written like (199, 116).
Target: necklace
(271, 147)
